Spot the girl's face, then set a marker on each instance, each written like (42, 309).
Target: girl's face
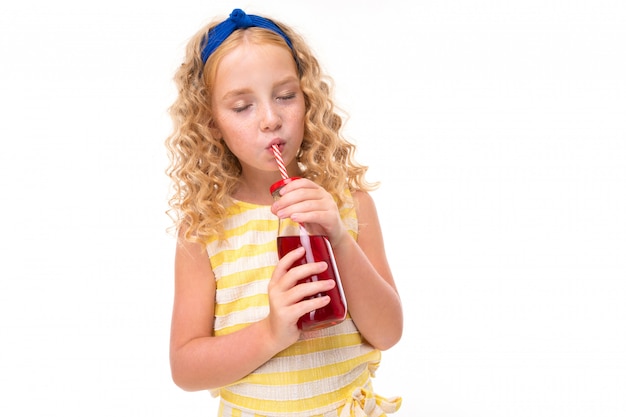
(257, 102)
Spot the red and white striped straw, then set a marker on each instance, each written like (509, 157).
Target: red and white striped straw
(279, 161)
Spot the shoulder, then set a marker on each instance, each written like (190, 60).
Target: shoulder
(367, 214)
(364, 203)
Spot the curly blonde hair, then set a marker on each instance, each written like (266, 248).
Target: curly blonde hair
(204, 172)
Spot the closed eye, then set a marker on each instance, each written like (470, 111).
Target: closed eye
(241, 108)
(287, 96)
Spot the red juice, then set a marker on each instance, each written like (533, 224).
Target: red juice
(320, 250)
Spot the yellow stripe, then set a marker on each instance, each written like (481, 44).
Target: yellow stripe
(232, 255)
(230, 329)
(304, 347)
(258, 225)
(259, 300)
(236, 212)
(241, 207)
(312, 374)
(245, 277)
(298, 405)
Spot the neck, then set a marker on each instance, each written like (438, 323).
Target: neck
(255, 189)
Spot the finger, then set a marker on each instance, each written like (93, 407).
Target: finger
(312, 288)
(306, 205)
(298, 184)
(287, 261)
(307, 305)
(301, 274)
(295, 194)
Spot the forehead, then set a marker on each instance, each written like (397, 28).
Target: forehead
(248, 48)
(251, 63)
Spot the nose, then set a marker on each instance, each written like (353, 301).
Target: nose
(270, 118)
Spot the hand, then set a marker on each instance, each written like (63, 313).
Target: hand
(307, 203)
(288, 299)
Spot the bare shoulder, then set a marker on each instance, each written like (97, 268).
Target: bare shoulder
(365, 207)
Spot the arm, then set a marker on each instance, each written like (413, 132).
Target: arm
(368, 283)
(198, 359)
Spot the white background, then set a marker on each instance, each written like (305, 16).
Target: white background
(497, 129)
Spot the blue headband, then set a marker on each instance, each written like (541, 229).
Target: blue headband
(238, 20)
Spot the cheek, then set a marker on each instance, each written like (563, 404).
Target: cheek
(237, 136)
(298, 115)
(229, 129)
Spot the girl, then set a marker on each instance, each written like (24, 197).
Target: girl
(247, 84)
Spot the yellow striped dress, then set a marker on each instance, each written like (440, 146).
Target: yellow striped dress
(325, 373)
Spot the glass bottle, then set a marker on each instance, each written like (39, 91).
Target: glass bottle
(292, 235)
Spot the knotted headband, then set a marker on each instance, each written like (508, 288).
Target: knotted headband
(238, 19)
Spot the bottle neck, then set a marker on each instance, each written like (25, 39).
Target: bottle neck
(276, 187)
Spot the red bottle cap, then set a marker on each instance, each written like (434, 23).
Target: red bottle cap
(279, 184)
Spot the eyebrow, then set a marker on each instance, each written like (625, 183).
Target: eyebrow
(235, 93)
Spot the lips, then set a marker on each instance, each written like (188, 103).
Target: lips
(277, 142)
